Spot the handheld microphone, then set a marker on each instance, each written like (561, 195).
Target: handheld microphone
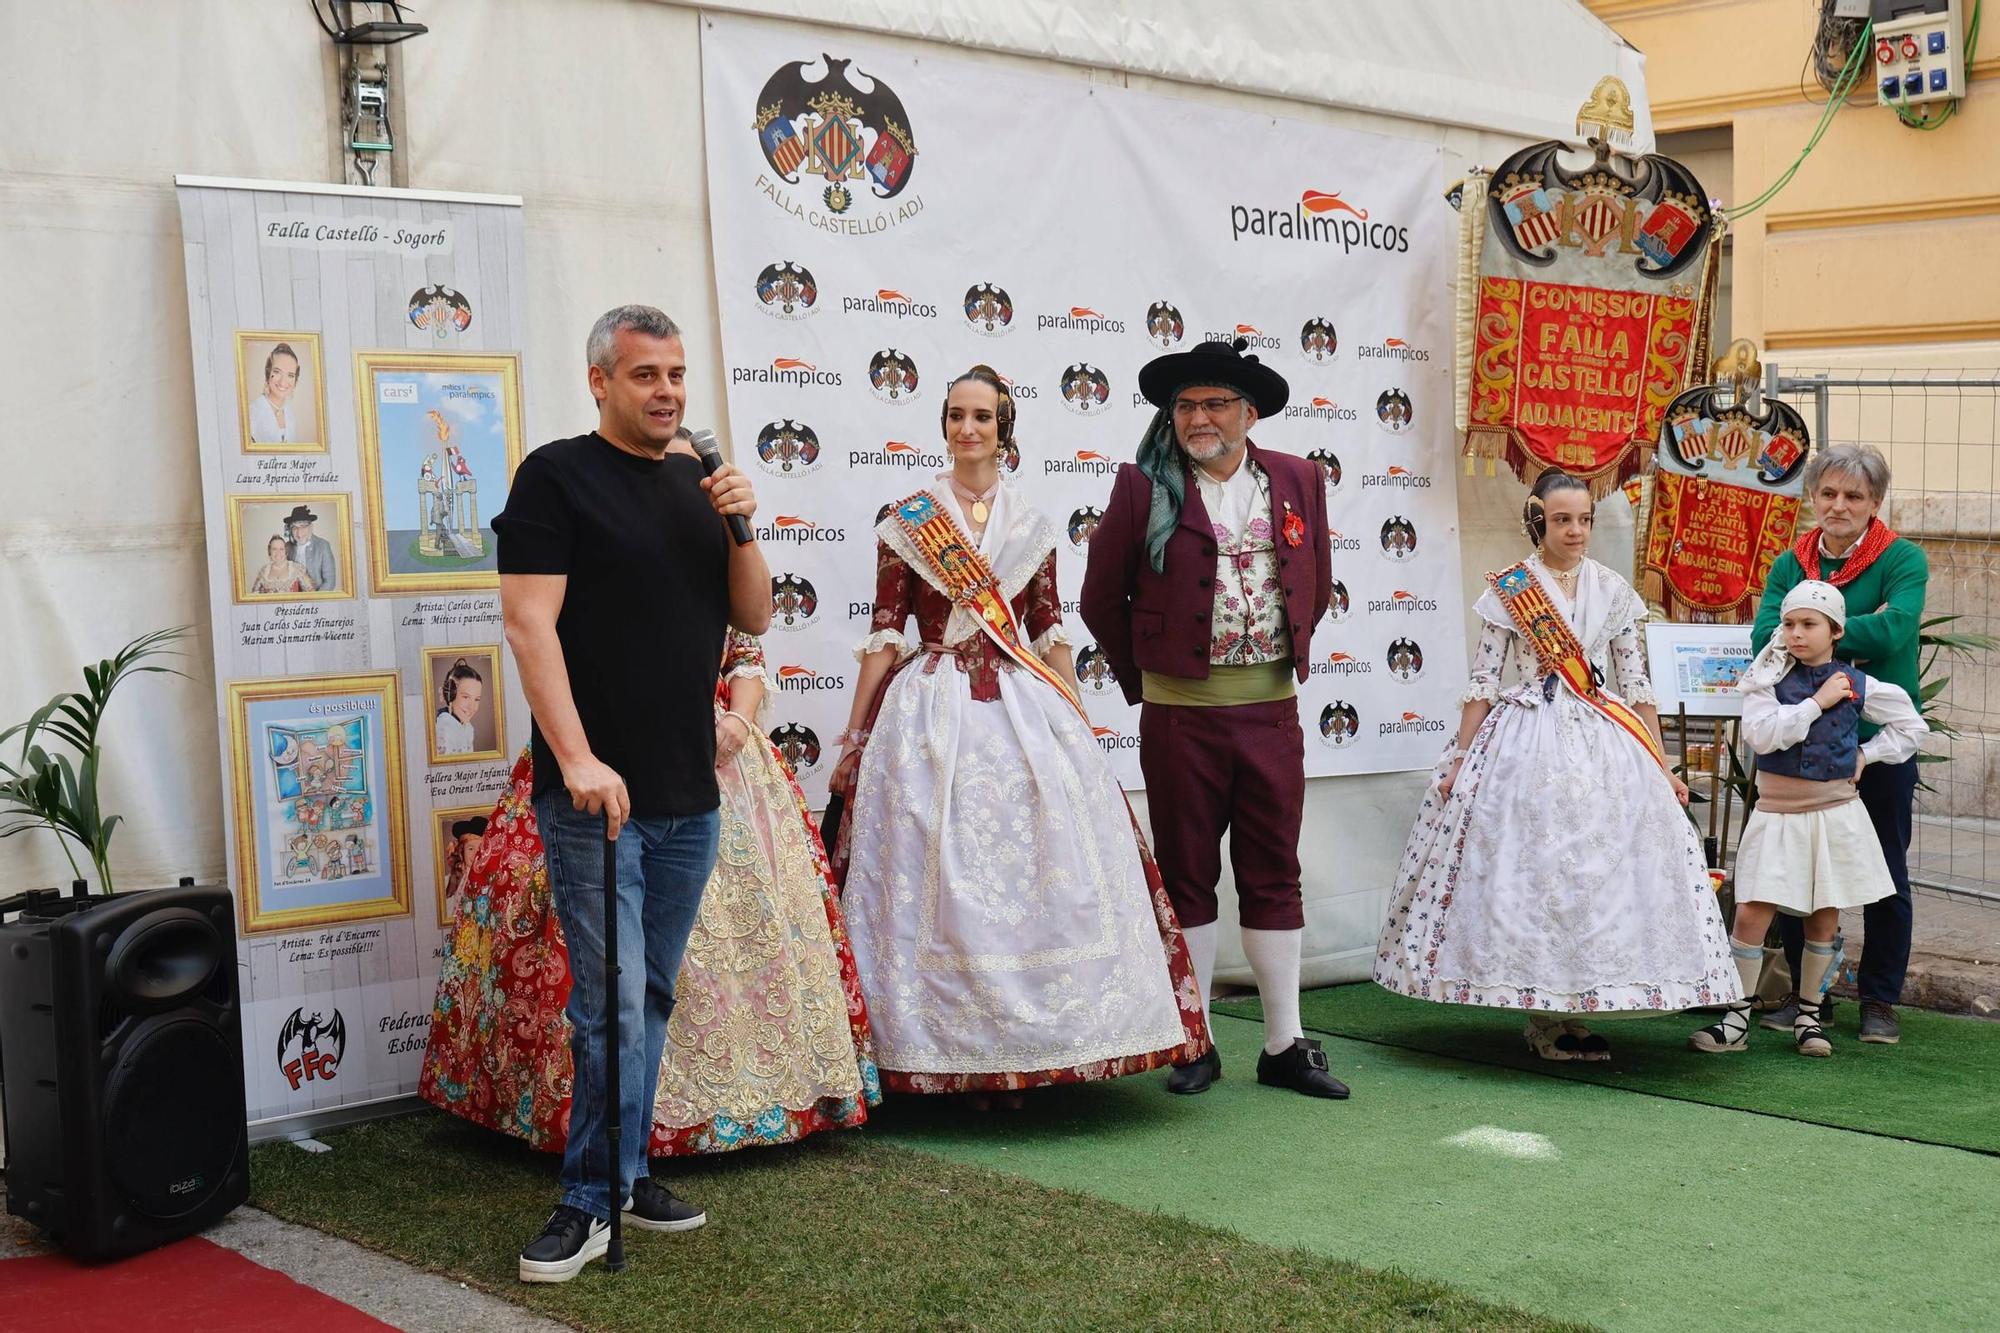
(710, 453)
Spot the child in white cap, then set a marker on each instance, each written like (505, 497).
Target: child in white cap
(1809, 849)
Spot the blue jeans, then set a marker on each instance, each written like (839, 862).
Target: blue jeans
(663, 866)
(1888, 794)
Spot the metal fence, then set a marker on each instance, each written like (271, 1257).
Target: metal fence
(1940, 430)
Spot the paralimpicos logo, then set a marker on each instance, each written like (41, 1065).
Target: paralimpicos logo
(887, 301)
(898, 454)
(1088, 463)
(794, 679)
(1321, 409)
(1402, 600)
(786, 370)
(1112, 740)
(1392, 349)
(1321, 218)
(791, 530)
(1341, 664)
(1251, 335)
(1396, 479)
(1409, 724)
(1080, 319)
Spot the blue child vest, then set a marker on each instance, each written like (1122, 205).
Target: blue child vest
(1830, 748)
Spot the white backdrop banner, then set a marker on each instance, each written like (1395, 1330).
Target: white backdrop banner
(359, 409)
(880, 224)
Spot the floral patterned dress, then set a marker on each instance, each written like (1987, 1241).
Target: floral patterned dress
(769, 1039)
(1009, 925)
(1560, 874)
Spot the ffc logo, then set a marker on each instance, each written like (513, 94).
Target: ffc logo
(1392, 409)
(1085, 389)
(1329, 468)
(989, 310)
(1318, 343)
(892, 376)
(320, 1045)
(788, 448)
(439, 310)
(798, 745)
(787, 290)
(794, 679)
(1406, 660)
(1082, 524)
(833, 128)
(1164, 325)
(794, 602)
(1339, 724)
(1399, 538)
(1338, 608)
(1093, 671)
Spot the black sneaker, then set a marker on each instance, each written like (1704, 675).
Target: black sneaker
(571, 1239)
(654, 1207)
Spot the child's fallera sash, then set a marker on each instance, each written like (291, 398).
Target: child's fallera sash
(1560, 653)
(969, 582)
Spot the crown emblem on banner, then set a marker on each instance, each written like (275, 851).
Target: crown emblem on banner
(901, 136)
(765, 115)
(834, 106)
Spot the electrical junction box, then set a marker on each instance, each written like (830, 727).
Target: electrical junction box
(1919, 54)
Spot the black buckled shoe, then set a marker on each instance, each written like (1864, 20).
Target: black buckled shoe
(1302, 1068)
(1197, 1075)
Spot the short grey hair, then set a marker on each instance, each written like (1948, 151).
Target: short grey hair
(601, 350)
(1850, 460)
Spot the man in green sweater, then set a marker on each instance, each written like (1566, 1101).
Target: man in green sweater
(1882, 577)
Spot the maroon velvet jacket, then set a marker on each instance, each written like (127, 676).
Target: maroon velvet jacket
(1145, 621)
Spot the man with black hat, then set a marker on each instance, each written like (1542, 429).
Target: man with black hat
(1207, 574)
(315, 553)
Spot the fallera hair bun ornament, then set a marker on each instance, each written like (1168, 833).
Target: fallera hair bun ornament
(1534, 520)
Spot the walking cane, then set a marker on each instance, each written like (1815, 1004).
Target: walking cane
(614, 1258)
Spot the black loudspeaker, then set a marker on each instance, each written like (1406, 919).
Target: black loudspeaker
(121, 1066)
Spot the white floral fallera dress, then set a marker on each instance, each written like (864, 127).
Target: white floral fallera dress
(1561, 874)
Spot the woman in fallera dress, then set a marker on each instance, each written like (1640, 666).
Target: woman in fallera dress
(768, 1041)
(1009, 925)
(1552, 868)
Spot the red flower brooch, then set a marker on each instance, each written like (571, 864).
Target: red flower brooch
(1294, 527)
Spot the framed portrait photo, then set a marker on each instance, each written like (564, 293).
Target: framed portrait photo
(440, 439)
(463, 703)
(316, 768)
(290, 548)
(455, 835)
(280, 392)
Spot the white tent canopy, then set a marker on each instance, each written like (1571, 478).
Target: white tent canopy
(589, 110)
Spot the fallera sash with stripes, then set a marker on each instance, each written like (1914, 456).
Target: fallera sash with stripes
(1560, 653)
(968, 580)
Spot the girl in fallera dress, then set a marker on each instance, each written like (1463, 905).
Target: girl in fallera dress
(768, 1040)
(1552, 868)
(1009, 924)
(1809, 849)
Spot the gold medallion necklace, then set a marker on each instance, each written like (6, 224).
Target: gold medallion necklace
(976, 503)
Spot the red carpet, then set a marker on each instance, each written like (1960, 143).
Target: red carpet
(192, 1285)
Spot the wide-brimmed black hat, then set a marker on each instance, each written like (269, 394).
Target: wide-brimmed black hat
(1216, 363)
(300, 514)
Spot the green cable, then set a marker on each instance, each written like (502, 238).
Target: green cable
(1849, 73)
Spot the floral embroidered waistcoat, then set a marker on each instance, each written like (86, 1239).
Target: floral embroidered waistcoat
(1248, 622)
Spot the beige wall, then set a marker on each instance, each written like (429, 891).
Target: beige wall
(1887, 237)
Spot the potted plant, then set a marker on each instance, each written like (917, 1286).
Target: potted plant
(58, 791)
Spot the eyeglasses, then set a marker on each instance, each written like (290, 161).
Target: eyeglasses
(1185, 407)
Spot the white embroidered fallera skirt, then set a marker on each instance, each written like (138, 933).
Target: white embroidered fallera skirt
(1560, 875)
(997, 906)
(1822, 858)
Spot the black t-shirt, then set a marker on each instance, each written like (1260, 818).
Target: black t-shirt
(643, 614)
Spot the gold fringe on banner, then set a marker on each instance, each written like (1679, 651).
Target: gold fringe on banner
(1465, 305)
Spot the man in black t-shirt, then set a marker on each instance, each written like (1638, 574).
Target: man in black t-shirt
(617, 581)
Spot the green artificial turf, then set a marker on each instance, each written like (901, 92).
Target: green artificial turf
(1630, 1211)
(839, 1232)
(1938, 1086)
